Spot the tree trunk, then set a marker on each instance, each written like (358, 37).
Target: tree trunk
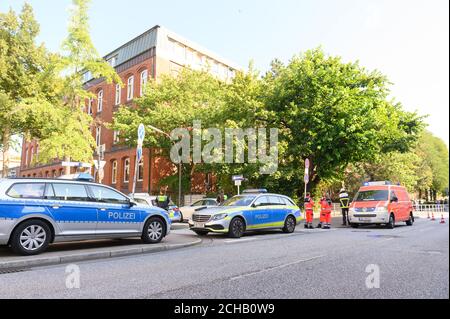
(6, 145)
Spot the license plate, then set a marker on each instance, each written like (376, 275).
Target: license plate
(364, 219)
(199, 225)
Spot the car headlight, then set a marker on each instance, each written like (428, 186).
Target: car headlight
(381, 209)
(219, 216)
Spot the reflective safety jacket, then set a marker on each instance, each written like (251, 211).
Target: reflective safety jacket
(325, 205)
(309, 204)
(344, 200)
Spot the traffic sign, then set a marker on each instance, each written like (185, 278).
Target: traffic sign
(139, 153)
(141, 133)
(306, 178)
(102, 164)
(237, 178)
(307, 163)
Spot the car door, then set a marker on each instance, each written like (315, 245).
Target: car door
(115, 215)
(73, 210)
(261, 214)
(395, 205)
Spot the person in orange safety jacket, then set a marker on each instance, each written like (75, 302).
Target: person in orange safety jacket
(309, 210)
(325, 212)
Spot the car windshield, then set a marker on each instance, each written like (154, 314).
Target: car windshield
(239, 201)
(372, 196)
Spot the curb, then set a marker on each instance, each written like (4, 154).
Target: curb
(77, 257)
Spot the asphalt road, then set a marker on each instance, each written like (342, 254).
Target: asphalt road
(412, 262)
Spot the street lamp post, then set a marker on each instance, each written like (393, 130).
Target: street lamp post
(179, 164)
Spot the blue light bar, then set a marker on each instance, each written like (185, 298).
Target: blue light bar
(255, 191)
(377, 183)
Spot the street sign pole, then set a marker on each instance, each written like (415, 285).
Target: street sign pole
(140, 140)
(306, 179)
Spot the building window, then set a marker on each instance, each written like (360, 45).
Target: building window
(31, 155)
(114, 172)
(116, 137)
(26, 157)
(118, 91)
(89, 108)
(126, 170)
(130, 88)
(112, 61)
(144, 79)
(100, 101)
(98, 133)
(140, 176)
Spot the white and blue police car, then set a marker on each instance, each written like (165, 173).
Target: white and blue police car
(37, 212)
(255, 209)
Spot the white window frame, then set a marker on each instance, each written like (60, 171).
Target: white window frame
(118, 94)
(98, 135)
(126, 170)
(130, 88)
(144, 80)
(90, 102)
(116, 137)
(26, 157)
(100, 101)
(140, 165)
(114, 172)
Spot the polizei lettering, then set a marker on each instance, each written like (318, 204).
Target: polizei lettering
(121, 216)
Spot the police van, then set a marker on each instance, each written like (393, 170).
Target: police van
(37, 212)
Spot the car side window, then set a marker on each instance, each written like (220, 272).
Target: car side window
(27, 190)
(141, 201)
(262, 201)
(70, 192)
(274, 201)
(211, 203)
(106, 195)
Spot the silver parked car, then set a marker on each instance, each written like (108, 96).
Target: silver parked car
(37, 212)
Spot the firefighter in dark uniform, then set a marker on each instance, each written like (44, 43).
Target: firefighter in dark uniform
(345, 203)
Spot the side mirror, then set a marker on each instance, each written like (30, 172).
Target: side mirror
(394, 199)
(132, 203)
(254, 205)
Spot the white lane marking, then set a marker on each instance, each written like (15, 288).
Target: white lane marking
(235, 241)
(275, 268)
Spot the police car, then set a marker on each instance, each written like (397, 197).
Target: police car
(253, 210)
(174, 212)
(37, 212)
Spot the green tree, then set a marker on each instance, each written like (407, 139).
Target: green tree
(72, 140)
(170, 103)
(27, 77)
(333, 113)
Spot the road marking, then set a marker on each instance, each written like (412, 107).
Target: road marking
(275, 268)
(235, 241)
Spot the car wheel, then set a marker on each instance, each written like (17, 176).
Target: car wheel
(30, 238)
(391, 224)
(353, 225)
(237, 228)
(410, 221)
(181, 218)
(154, 231)
(289, 225)
(201, 233)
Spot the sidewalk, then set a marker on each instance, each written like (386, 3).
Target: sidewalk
(61, 253)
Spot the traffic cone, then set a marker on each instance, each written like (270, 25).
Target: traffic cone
(442, 219)
(432, 217)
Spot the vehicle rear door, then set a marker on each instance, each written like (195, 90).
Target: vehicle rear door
(73, 210)
(115, 216)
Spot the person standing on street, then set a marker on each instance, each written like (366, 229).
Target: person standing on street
(344, 203)
(325, 212)
(309, 210)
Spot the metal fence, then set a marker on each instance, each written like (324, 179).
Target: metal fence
(431, 208)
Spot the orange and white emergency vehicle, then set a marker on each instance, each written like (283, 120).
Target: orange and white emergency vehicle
(381, 203)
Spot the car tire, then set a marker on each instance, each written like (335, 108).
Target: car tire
(410, 221)
(237, 228)
(201, 233)
(154, 230)
(353, 225)
(34, 234)
(391, 224)
(181, 217)
(289, 225)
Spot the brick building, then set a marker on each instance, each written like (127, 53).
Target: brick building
(155, 52)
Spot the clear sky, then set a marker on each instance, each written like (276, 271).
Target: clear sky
(408, 40)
